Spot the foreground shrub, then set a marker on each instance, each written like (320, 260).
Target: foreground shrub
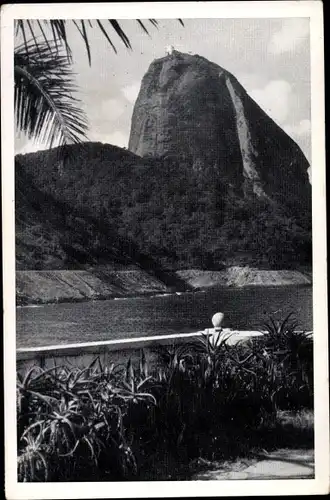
(290, 352)
(70, 423)
(201, 399)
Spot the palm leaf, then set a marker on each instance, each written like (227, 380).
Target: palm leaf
(143, 27)
(122, 35)
(45, 108)
(83, 34)
(106, 35)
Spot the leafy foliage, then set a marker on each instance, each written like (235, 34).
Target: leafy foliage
(291, 352)
(79, 426)
(45, 108)
(165, 211)
(200, 399)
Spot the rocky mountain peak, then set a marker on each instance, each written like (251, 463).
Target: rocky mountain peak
(194, 110)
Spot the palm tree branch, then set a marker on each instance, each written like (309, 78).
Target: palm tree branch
(59, 36)
(60, 28)
(143, 27)
(154, 22)
(85, 37)
(122, 35)
(26, 74)
(106, 35)
(32, 32)
(43, 100)
(43, 34)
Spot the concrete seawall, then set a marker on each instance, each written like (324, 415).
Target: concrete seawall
(38, 287)
(33, 287)
(118, 351)
(113, 351)
(237, 276)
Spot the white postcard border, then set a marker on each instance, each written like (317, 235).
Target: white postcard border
(184, 10)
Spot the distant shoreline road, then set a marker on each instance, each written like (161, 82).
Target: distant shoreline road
(57, 286)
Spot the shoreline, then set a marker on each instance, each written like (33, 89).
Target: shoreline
(38, 288)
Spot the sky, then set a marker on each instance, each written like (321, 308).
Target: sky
(269, 57)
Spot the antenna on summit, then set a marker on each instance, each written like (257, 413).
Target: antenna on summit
(169, 50)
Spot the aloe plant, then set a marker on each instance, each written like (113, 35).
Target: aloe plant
(292, 351)
(76, 421)
(32, 461)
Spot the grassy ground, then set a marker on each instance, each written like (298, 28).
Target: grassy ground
(292, 430)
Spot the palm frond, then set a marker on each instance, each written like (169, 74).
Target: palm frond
(143, 27)
(83, 33)
(45, 108)
(122, 35)
(54, 32)
(106, 35)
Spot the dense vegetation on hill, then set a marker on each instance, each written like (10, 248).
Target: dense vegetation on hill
(50, 235)
(100, 204)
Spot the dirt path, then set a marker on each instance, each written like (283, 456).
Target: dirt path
(281, 464)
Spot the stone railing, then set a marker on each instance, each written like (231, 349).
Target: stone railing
(119, 351)
(81, 354)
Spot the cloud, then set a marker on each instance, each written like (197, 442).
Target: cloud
(105, 115)
(299, 129)
(111, 109)
(293, 32)
(24, 146)
(301, 133)
(251, 80)
(131, 91)
(274, 99)
(117, 138)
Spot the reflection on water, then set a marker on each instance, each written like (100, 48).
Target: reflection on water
(245, 308)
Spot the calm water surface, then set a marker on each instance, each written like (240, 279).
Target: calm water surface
(244, 308)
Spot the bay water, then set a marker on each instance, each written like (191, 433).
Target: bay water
(244, 308)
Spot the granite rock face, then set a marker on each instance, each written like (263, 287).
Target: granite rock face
(191, 109)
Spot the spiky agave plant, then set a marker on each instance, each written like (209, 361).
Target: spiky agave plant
(289, 353)
(134, 386)
(212, 357)
(45, 107)
(66, 425)
(32, 457)
(175, 359)
(291, 346)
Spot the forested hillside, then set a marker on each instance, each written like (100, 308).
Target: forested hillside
(100, 204)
